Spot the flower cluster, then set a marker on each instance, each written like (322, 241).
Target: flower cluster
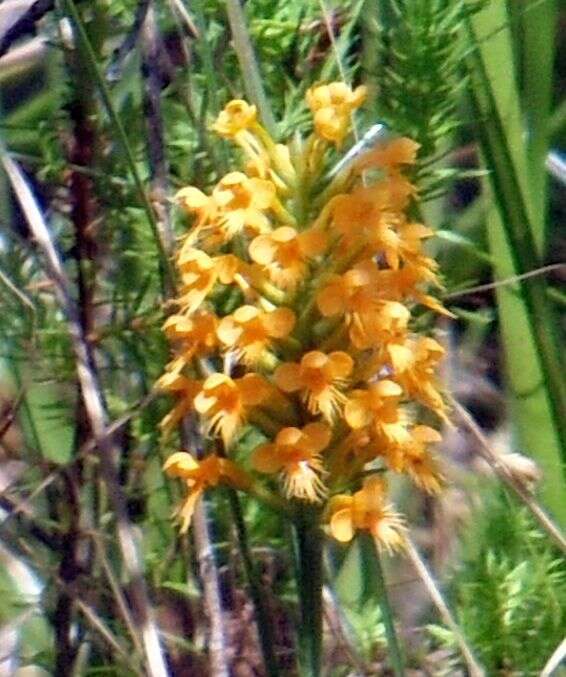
(323, 275)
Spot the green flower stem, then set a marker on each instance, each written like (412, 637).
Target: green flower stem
(263, 621)
(308, 546)
(248, 64)
(395, 653)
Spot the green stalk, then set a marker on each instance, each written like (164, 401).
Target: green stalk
(308, 555)
(263, 621)
(253, 85)
(371, 557)
(534, 369)
(167, 278)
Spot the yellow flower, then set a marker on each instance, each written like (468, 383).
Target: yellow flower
(367, 510)
(185, 390)
(320, 378)
(332, 106)
(237, 116)
(242, 203)
(377, 407)
(285, 253)
(249, 331)
(196, 202)
(199, 273)
(199, 476)
(224, 402)
(413, 459)
(197, 334)
(296, 455)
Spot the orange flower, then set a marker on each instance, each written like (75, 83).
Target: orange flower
(199, 476)
(185, 390)
(296, 455)
(368, 217)
(332, 106)
(390, 154)
(224, 402)
(242, 203)
(413, 459)
(285, 253)
(320, 378)
(249, 331)
(367, 510)
(419, 379)
(355, 294)
(236, 117)
(378, 408)
(197, 333)
(199, 273)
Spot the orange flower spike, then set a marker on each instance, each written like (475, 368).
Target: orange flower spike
(296, 455)
(320, 378)
(285, 253)
(224, 403)
(249, 331)
(367, 510)
(199, 476)
(242, 203)
(417, 462)
(378, 408)
(332, 106)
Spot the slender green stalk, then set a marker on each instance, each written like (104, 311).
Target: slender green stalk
(263, 621)
(308, 545)
(248, 64)
(167, 278)
(395, 653)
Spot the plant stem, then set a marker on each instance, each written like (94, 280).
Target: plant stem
(308, 544)
(263, 620)
(395, 654)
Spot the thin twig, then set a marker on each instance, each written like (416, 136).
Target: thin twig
(95, 410)
(118, 594)
(507, 477)
(474, 669)
(508, 280)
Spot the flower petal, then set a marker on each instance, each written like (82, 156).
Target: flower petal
(341, 526)
(288, 377)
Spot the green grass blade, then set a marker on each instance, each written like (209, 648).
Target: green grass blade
(534, 373)
(537, 64)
